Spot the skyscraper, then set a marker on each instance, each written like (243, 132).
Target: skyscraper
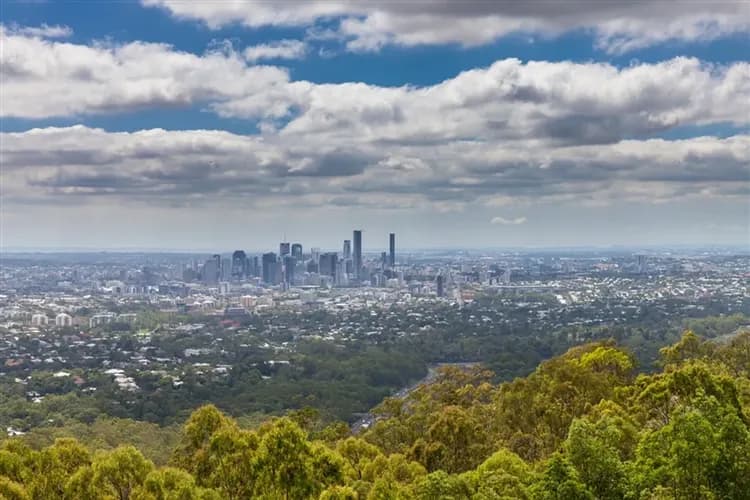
(210, 271)
(641, 263)
(392, 247)
(284, 249)
(269, 267)
(440, 286)
(328, 264)
(297, 251)
(357, 257)
(347, 249)
(239, 265)
(289, 264)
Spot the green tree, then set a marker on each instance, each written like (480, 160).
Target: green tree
(54, 465)
(560, 481)
(120, 471)
(12, 490)
(592, 450)
(284, 463)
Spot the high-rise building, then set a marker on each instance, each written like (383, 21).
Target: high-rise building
(440, 286)
(211, 271)
(383, 259)
(357, 257)
(328, 264)
(239, 265)
(315, 255)
(289, 264)
(347, 249)
(284, 249)
(392, 249)
(255, 271)
(312, 266)
(642, 264)
(297, 251)
(269, 268)
(219, 263)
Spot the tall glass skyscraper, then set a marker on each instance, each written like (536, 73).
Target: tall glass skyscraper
(392, 248)
(357, 257)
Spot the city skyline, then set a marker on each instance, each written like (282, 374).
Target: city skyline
(199, 126)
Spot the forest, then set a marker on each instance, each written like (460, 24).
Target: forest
(583, 425)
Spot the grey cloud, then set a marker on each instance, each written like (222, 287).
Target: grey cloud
(333, 164)
(594, 129)
(232, 167)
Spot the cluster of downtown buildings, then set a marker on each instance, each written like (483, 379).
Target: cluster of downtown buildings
(292, 266)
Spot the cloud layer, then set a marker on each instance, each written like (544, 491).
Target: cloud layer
(369, 25)
(75, 164)
(570, 103)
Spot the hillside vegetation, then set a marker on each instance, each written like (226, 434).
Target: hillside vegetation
(583, 425)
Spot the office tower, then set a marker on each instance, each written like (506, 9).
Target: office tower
(440, 286)
(341, 278)
(217, 258)
(383, 259)
(289, 264)
(188, 274)
(357, 257)
(284, 249)
(347, 249)
(239, 265)
(210, 271)
(297, 251)
(226, 270)
(312, 266)
(269, 267)
(392, 248)
(642, 264)
(328, 263)
(506, 276)
(315, 255)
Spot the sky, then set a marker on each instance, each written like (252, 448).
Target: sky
(227, 124)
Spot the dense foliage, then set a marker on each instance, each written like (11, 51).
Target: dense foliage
(583, 425)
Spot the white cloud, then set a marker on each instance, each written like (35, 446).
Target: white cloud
(563, 102)
(42, 31)
(368, 25)
(506, 222)
(282, 49)
(43, 78)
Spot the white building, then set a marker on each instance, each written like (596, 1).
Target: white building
(127, 317)
(63, 319)
(247, 301)
(101, 319)
(39, 319)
